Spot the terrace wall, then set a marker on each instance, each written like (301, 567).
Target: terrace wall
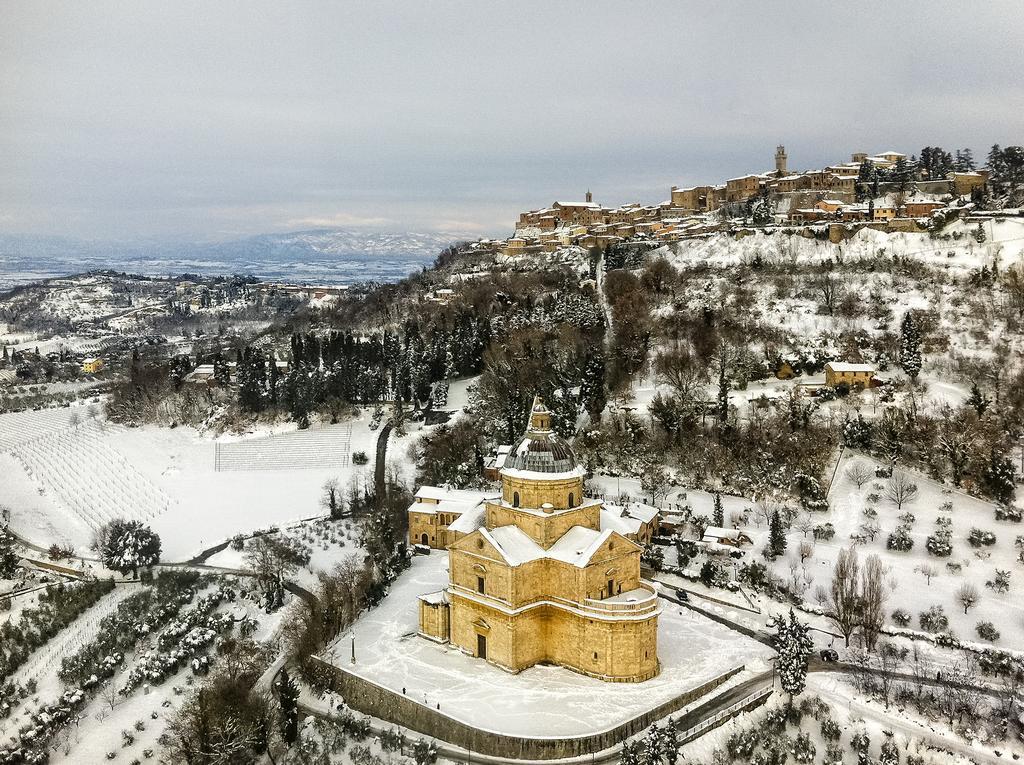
(372, 699)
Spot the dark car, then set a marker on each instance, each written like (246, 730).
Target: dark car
(829, 654)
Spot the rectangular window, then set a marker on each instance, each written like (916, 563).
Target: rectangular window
(480, 584)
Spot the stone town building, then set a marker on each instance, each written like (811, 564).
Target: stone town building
(435, 512)
(540, 581)
(742, 188)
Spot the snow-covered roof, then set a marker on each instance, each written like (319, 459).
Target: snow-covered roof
(457, 495)
(469, 521)
(616, 521)
(513, 544)
(578, 545)
(842, 366)
(719, 532)
(435, 598)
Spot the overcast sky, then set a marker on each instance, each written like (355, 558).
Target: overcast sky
(219, 119)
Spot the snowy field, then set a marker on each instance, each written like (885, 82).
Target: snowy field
(62, 480)
(542, 700)
(910, 589)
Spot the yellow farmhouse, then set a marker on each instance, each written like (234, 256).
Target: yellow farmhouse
(837, 372)
(539, 581)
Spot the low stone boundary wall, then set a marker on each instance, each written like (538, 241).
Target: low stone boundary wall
(372, 699)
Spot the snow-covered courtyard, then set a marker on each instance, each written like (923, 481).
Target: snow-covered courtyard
(542, 700)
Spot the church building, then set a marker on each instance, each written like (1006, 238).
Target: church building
(539, 581)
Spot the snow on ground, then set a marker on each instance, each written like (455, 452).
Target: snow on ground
(910, 588)
(166, 476)
(542, 700)
(852, 716)
(329, 543)
(1005, 239)
(458, 392)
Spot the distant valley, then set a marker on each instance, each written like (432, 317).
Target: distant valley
(328, 256)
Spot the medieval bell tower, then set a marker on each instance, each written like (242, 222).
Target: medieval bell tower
(780, 160)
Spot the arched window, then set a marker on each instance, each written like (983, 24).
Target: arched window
(515, 499)
(572, 499)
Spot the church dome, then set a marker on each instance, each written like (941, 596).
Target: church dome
(541, 450)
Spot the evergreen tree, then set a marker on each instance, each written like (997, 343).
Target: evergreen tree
(910, 345)
(126, 546)
(722, 406)
(288, 697)
(273, 380)
(857, 432)
(776, 535)
(978, 400)
(794, 646)
(866, 176)
(718, 516)
(1000, 476)
(8, 557)
(903, 175)
(964, 161)
(630, 754)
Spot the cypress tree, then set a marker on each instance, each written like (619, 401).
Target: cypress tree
(776, 535)
(910, 346)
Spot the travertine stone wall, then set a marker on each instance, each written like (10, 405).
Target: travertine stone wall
(372, 699)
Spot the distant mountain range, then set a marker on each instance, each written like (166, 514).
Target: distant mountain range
(332, 255)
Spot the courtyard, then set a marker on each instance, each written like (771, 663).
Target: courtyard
(542, 700)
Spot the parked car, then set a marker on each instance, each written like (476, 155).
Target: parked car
(829, 654)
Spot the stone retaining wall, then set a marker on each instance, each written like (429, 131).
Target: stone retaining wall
(372, 699)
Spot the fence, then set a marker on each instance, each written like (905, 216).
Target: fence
(742, 705)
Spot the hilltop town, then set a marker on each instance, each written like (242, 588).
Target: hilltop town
(888, 191)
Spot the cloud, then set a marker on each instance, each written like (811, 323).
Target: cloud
(339, 220)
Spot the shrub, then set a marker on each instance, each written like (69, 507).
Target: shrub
(900, 540)
(938, 546)
(979, 537)
(1008, 513)
(831, 730)
(933, 620)
(901, 618)
(824, 531)
(359, 458)
(987, 631)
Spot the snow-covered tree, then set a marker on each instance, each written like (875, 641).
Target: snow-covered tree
(288, 698)
(776, 535)
(718, 515)
(910, 345)
(126, 546)
(8, 557)
(794, 646)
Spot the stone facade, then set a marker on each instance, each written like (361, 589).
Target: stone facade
(540, 581)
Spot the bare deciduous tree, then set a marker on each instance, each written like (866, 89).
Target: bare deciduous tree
(806, 550)
(927, 570)
(873, 595)
(968, 596)
(805, 523)
(844, 598)
(900, 490)
(859, 473)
